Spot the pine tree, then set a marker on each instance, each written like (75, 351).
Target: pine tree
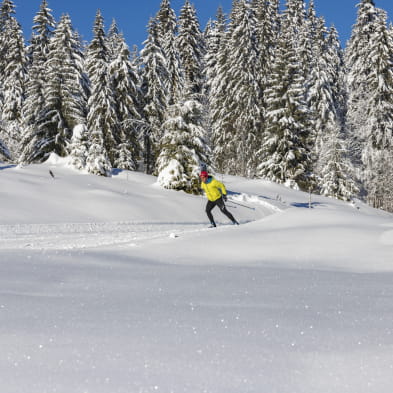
(336, 174)
(191, 47)
(155, 92)
(267, 30)
(127, 98)
(13, 83)
(167, 26)
(64, 104)
(323, 75)
(14, 77)
(220, 116)
(358, 70)
(295, 15)
(192, 51)
(215, 44)
(214, 37)
(183, 148)
(97, 160)
(67, 57)
(244, 93)
(102, 119)
(113, 39)
(37, 75)
(379, 125)
(285, 155)
(78, 147)
(7, 11)
(370, 88)
(336, 71)
(379, 192)
(332, 167)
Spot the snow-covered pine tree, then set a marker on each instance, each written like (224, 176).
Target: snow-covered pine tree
(36, 78)
(219, 115)
(215, 42)
(102, 119)
(97, 160)
(337, 74)
(79, 146)
(370, 88)
(127, 96)
(267, 29)
(315, 26)
(381, 191)
(166, 20)
(183, 148)
(15, 73)
(332, 167)
(336, 173)
(320, 81)
(183, 129)
(306, 32)
(7, 11)
(285, 154)
(66, 57)
(311, 42)
(235, 94)
(378, 147)
(295, 14)
(64, 95)
(214, 38)
(155, 91)
(244, 92)
(13, 81)
(113, 40)
(358, 70)
(167, 26)
(191, 48)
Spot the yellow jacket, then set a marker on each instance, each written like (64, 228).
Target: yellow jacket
(213, 189)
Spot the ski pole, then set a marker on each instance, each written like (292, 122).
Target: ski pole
(237, 203)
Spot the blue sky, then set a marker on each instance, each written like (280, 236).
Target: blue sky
(132, 16)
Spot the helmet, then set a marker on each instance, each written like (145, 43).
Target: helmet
(204, 174)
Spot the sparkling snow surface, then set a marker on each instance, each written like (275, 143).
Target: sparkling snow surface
(114, 285)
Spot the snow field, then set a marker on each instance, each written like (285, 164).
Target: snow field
(117, 286)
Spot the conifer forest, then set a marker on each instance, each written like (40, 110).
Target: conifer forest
(264, 92)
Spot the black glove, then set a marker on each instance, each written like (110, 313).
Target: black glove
(225, 198)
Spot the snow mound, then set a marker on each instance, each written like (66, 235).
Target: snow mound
(55, 159)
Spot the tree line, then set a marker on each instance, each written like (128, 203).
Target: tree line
(263, 92)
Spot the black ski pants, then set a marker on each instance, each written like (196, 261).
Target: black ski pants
(220, 203)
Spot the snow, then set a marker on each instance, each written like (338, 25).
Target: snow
(78, 131)
(115, 285)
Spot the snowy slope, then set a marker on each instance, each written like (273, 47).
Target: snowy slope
(114, 285)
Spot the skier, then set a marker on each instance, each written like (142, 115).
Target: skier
(216, 194)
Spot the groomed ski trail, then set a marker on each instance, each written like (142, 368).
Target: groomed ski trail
(65, 236)
(68, 236)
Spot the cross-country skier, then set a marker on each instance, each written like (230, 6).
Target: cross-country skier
(216, 194)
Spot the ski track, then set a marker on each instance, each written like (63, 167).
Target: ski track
(66, 236)
(255, 200)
